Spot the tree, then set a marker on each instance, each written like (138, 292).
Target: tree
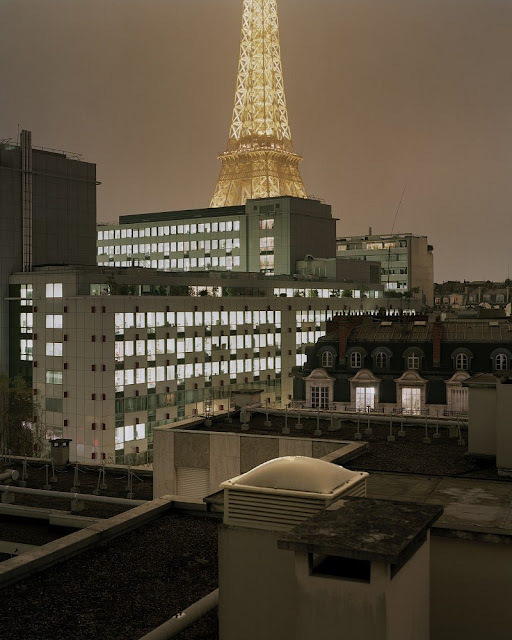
(19, 433)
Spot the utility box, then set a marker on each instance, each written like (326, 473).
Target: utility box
(59, 451)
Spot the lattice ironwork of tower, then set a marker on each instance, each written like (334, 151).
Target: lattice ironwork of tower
(259, 161)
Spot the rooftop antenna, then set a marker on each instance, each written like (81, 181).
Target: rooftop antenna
(393, 227)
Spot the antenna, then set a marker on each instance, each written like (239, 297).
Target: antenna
(398, 208)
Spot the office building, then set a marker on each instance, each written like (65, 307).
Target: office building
(265, 236)
(48, 216)
(406, 260)
(113, 353)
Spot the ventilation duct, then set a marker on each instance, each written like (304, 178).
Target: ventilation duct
(279, 494)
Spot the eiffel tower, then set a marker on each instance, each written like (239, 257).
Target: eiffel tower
(259, 161)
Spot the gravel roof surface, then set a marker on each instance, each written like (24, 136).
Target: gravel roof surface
(30, 530)
(443, 456)
(122, 590)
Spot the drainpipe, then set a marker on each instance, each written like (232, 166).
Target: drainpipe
(85, 497)
(10, 474)
(184, 619)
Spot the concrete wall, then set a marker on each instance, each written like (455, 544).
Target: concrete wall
(10, 238)
(226, 455)
(503, 430)
(64, 203)
(422, 268)
(482, 420)
(256, 595)
(470, 589)
(396, 609)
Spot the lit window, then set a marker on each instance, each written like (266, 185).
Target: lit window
(54, 348)
(53, 377)
(268, 223)
(54, 290)
(26, 294)
(53, 321)
(26, 347)
(26, 322)
(267, 243)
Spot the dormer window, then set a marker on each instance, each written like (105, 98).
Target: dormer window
(461, 362)
(381, 357)
(500, 362)
(413, 359)
(356, 360)
(462, 359)
(327, 359)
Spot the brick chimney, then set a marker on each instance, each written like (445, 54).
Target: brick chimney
(437, 336)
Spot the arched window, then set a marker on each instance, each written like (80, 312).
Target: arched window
(356, 360)
(501, 362)
(381, 360)
(461, 362)
(327, 359)
(501, 359)
(413, 361)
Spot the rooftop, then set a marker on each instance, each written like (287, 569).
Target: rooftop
(364, 529)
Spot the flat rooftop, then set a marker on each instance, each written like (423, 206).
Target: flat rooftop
(471, 505)
(443, 456)
(120, 590)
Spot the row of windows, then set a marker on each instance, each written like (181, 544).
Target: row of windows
(399, 270)
(371, 245)
(413, 360)
(180, 346)
(225, 244)
(128, 433)
(184, 264)
(151, 320)
(148, 232)
(182, 372)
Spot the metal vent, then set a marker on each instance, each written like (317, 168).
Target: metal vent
(192, 483)
(269, 511)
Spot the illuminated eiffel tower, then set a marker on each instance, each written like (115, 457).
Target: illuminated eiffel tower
(259, 160)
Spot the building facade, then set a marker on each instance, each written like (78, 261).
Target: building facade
(266, 236)
(454, 295)
(113, 353)
(47, 216)
(407, 365)
(406, 260)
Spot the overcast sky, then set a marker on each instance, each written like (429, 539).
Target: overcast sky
(382, 95)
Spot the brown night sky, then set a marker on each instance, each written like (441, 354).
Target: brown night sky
(381, 93)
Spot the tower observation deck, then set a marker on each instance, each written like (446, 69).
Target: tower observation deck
(259, 161)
